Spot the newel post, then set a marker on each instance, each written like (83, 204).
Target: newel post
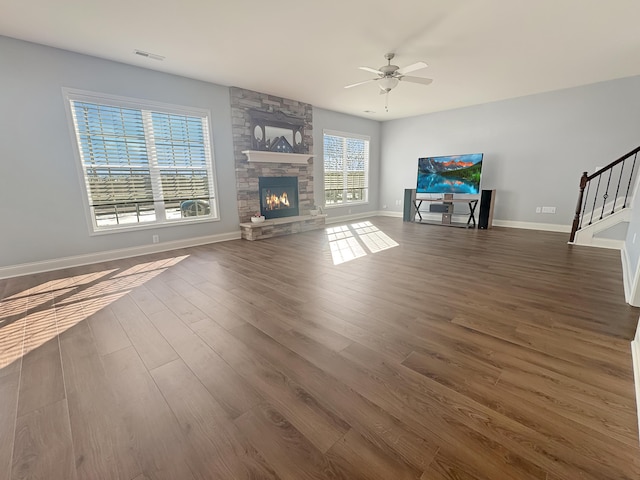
(576, 218)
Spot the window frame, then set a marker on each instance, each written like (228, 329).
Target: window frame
(147, 107)
(354, 136)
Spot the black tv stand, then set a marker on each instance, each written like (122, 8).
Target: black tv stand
(446, 202)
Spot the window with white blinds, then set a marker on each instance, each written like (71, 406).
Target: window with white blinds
(143, 163)
(346, 168)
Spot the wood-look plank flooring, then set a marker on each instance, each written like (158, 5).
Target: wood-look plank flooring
(457, 354)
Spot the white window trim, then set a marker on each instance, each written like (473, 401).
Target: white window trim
(338, 133)
(70, 94)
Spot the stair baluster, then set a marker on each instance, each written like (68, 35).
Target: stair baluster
(615, 199)
(595, 199)
(626, 195)
(606, 194)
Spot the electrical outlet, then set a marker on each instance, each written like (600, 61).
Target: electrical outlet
(548, 209)
(384, 206)
(634, 238)
(538, 209)
(156, 238)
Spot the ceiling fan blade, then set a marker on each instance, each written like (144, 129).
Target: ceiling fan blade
(361, 83)
(412, 68)
(372, 70)
(421, 80)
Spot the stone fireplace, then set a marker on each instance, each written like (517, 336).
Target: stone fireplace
(243, 104)
(273, 142)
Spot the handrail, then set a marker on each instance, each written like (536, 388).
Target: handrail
(585, 182)
(613, 164)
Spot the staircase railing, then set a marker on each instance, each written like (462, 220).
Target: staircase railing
(600, 208)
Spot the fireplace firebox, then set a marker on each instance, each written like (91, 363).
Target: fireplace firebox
(278, 196)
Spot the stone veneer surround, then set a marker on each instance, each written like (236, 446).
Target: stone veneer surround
(247, 173)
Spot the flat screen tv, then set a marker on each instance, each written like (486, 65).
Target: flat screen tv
(450, 174)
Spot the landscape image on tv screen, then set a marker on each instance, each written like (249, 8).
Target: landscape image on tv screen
(450, 174)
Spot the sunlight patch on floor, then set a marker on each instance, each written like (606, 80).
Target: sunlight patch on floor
(344, 247)
(31, 318)
(348, 242)
(373, 238)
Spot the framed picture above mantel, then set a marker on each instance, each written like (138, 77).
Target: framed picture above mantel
(277, 132)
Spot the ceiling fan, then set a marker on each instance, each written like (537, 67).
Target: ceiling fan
(389, 75)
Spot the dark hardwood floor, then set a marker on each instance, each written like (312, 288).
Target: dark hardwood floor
(455, 354)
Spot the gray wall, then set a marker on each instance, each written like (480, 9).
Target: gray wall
(41, 202)
(535, 147)
(327, 119)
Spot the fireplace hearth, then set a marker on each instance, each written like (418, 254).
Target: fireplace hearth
(278, 196)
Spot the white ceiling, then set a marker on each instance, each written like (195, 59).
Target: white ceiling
(477, 50)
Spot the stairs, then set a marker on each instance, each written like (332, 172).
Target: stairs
(610, 232)
(602, 212)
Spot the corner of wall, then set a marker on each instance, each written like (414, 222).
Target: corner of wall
(635, 355)
(630, 279)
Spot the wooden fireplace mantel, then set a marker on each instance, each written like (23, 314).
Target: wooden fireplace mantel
(276, 157)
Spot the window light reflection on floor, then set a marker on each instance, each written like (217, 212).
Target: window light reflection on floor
(373, 238)
(32, 317)
(343, 245)
(345, 241)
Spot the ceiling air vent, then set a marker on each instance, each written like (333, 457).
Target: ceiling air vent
(149, 55)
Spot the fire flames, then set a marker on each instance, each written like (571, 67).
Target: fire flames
(273, 201)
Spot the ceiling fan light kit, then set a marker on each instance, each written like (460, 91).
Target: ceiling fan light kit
(388, 83)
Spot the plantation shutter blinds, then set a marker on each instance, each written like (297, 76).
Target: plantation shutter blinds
(346, 165)
(181, 155)
(333, 169)
(142, 165)
(357, 163)
(114, 153)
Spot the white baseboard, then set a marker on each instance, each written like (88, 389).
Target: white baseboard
(547, 227)
(79, 260)
(388, 213)
(635, 356)
(75, 261)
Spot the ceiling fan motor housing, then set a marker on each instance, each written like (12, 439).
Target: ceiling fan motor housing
(389, 70)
